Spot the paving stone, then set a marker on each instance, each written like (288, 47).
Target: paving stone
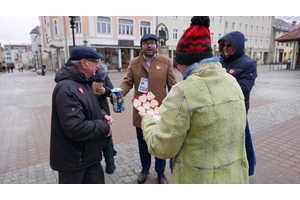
(273, 124)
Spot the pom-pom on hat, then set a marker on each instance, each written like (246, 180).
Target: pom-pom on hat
(84, 52)
(195, 44)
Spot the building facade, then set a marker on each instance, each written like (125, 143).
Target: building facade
(282, 50)
(258, 35)
(117, 38)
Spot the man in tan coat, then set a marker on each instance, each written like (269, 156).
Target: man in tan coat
(148, 72)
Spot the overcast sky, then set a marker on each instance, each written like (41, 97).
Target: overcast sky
(16, 29)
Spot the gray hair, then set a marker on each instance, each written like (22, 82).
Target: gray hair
(75, 62)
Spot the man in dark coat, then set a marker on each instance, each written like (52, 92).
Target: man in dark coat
(77, 124)
(243, 68)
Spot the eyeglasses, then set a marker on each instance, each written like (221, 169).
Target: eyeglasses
(177, 67)
(226, 45)
(147, 43)
(94, 61)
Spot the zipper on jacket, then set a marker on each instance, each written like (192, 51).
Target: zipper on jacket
(80, 158)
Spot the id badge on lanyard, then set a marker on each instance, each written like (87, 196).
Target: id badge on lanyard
(143, 87)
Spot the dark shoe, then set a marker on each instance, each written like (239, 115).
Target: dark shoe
(162, 179)
(142, 177)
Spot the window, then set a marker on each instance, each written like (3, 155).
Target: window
(250, 42)
(255, 42)
(267, 43)
(77, 24)
(262, 29)
(219, 36)
(175, 17)
(220, 20)
(261, 43)
(125, 27)
(212, 36)
(212, 19)
(185, 17)
(240, 26)
(103, 25)
(256, 30)
(46, 37)
(226, 24)
(145, 27)
(246, 27)
(44, 20)
(251, 28)
(55, 27)
(268, 30)
(175, 33)
(233, 25)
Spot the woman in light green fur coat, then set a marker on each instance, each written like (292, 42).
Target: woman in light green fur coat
(202, 127)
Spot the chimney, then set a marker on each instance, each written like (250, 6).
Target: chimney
(294, 23)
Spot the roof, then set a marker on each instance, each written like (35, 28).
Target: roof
(281, 25)
(35, 30)
(290, 36)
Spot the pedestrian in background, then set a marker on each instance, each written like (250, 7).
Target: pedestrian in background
(244, 69)
(77, 123)
(203, 117)
(3, 69)
(155, 72)
(107, 146)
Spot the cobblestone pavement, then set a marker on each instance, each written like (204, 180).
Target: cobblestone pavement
(25, 110)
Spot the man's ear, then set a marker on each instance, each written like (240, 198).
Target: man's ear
(83, 63)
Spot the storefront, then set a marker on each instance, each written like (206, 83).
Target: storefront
(116, 57)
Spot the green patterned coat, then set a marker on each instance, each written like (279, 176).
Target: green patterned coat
(202, 127)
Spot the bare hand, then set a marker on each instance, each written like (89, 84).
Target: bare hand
(101, 90)
(108, 119)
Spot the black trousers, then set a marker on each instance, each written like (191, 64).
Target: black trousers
(145, 156)
(90, 175)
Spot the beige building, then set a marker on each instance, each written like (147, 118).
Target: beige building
(2, 57)
(282, 50)
(117, 38)
(176, 26)
(258, 35)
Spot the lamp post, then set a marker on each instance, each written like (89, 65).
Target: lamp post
(215, 46)
(250, 52)
(36, 60)
(40, 48)
(72, 22)
(85, 42)
(276, 56)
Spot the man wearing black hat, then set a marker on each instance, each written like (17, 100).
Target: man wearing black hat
(148, 72)
(77, 123)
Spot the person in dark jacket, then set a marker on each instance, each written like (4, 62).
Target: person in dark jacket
(244, 69)
(108, 147)
(77, 124)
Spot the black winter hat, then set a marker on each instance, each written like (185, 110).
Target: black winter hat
(195, 44)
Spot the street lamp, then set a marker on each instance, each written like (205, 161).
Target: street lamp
(276, 56)
(215, 46)
(40, 48)
(85, 42)
(250, 51)
(72, 22)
